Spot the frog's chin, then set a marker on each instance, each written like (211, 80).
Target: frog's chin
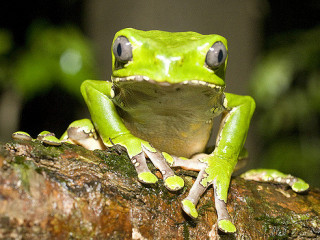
(139, 78)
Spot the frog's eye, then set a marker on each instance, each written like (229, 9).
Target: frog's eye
(122, 49)
(216, 55)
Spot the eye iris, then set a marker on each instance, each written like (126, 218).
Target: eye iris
(220, 56)
(216, 55)
(122, 50)
(119, 50)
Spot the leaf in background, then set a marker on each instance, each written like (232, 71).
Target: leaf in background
(55, 56)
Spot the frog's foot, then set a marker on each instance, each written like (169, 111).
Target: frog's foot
(271, 175)
(83, 133)
(189, 203)
(171, 181)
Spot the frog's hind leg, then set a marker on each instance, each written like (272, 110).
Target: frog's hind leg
(83, 133)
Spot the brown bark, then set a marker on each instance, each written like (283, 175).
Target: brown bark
(68, 192)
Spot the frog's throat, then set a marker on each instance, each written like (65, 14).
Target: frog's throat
(139, 78)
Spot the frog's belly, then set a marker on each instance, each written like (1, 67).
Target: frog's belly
(175, 135)
(174, 118)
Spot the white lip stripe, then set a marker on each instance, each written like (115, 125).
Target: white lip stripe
(140, 78)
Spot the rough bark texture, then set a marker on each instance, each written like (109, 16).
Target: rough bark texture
(68, 192)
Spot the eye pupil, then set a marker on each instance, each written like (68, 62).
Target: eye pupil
(220, 56)
(119, 49)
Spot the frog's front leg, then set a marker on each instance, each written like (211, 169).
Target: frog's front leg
(221, 162)
(98, 95)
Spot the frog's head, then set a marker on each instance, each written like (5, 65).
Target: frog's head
(166, 57)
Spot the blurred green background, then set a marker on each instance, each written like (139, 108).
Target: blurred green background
(47, 48)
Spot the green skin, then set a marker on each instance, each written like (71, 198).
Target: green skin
(161, 104)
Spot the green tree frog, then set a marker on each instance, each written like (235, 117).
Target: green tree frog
(165, 90)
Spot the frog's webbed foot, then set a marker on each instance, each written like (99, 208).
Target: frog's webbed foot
(217, 177)
(271, 175)
(171, 181)
(199, 187)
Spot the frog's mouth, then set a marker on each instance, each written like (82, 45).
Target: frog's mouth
(139, 78)
(138, 92)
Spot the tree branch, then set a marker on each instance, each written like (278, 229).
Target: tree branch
(70, 192)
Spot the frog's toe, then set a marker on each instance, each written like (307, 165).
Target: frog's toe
(160, 161)
(147, 178)
(144, 174)
(189, 208)
(190, 202)
(300, 186)
(272, 175)
(193, 164)
(174, 183)
(49, 138)
(21, 136)
(224, 221)
(226, 226)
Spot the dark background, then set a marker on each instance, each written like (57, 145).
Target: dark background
(254, 29)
